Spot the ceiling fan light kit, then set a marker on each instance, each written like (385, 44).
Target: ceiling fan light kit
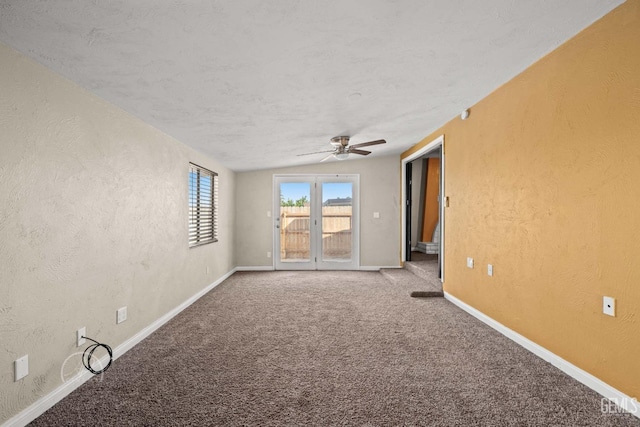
(342, 149)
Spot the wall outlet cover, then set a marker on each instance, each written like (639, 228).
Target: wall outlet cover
(121, 315)
(609, 306)
(21, 367)
(469, 262)
(490, 269)
(80, 333)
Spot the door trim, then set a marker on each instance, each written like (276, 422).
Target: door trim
(433, 145)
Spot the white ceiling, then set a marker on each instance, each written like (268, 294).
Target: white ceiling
(253, 83)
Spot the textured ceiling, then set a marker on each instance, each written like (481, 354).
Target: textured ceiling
(254, 83)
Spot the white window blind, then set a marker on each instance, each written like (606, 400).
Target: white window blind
(203, 205)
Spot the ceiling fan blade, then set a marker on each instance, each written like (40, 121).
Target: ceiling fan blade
(315, 152)
(364, 144)
(356, 151)
(327, 158)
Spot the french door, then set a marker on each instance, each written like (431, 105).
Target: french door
(316, 222)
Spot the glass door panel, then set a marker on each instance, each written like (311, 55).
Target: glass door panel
(337, 221)
(295, 222)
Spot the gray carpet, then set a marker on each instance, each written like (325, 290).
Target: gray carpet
(328, 348)
(425, 285)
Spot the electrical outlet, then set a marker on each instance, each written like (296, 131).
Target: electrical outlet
(80, 334)
(21, 367)
(376, 215)
(121, 315)
(490, 269)
(268, 214)
(268, 254)
(469, 262)
(609, 306)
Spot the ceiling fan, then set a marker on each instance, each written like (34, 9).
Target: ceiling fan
(341, 148)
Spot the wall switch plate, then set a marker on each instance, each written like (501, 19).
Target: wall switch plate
(268, 254)
(268, 214)
(490, 269)
(21, 367)
(609, 306)
(376, 215)
(121, 315)
(469, 262)
(80, 334)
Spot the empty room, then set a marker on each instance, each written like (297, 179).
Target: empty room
(320, 213)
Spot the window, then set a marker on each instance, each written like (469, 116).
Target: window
(203, 209)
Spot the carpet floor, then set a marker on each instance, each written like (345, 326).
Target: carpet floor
(328, 348)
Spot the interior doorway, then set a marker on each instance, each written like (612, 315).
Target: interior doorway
(316, 222)
(423, 207)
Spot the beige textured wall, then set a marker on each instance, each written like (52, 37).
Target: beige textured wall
(379, 192)
(93, 216)
(543, 180)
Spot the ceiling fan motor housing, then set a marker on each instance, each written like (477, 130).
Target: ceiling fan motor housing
(341, 148)
(340, 141)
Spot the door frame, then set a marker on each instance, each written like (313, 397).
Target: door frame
(316, 221)
(408, 184)
(433, 145)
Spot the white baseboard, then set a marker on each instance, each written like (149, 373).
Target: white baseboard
(40, 406)
(627, 403)
(271, 268)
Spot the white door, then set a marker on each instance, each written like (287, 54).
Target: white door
(294, 222)
(316, 222)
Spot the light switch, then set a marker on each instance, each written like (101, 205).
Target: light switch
(376, 215)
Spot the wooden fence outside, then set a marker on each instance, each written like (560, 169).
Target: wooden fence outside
(295, 232)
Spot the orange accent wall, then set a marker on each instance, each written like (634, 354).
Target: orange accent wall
(544, 183)
(430, 217)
